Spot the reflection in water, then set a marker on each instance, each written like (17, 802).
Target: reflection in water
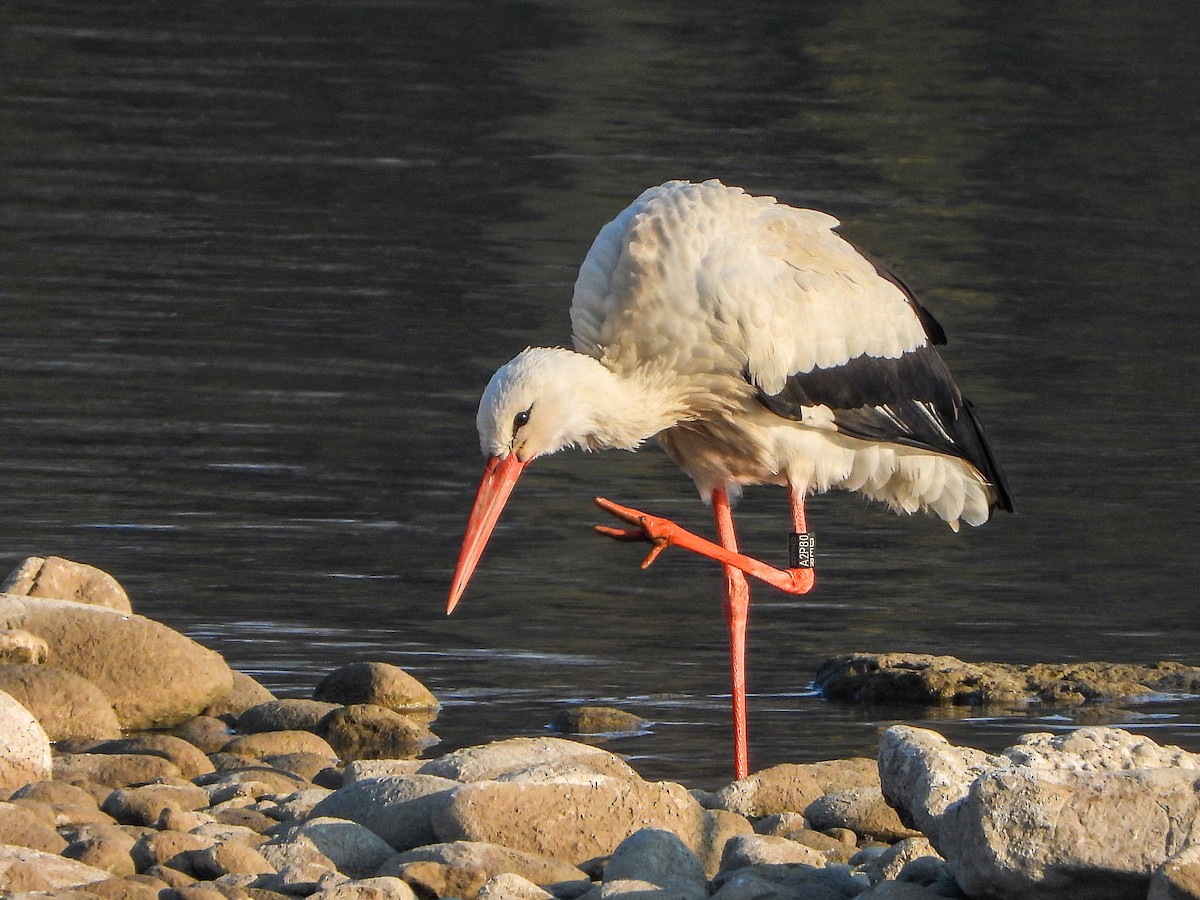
(257, 268)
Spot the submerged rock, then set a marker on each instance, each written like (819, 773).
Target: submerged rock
(597, 720)
(924, 679)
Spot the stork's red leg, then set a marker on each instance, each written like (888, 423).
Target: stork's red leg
(737, 611)
(664, 533)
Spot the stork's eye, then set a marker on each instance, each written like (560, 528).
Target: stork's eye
(521, 419)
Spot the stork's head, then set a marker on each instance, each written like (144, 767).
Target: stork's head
(541, 401)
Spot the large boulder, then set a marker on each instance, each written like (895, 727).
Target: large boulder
(1090, 814)
(154, 677)
(24, 746)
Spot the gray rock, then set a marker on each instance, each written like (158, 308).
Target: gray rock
(1055, 833)
(898, 890)
(507, 757)
(153, 676)
(17, 647)
(921, 678)
(354, 849)
(24, 747)
(862, 810)
(923, 774)
(377, 683)
(1097, 748)
(597, 720)
(60, 579)
(399, 808)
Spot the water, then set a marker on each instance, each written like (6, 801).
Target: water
(257, 262)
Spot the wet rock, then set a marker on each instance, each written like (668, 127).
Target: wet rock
(898, 890)
(114, 769)
(24, 747)
(398, 808)
(574, 821)
(367, 731)
(597, 720)
(20, 647)
(925, 679)
(354, 849)
(461, 868)
(65, 705)
(376, 683)
(153, 676)
(515, 755)
(862, 810)
(278, 743)
(60, 579)
(22, 869)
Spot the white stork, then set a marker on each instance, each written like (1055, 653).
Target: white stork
(759, 347)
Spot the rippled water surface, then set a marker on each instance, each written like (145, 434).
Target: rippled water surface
(258, 260)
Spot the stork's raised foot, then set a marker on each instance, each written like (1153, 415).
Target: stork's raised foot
(663, 533)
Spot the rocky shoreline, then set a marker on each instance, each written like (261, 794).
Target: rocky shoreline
(197, 783)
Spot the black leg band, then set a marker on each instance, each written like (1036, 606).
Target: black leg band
(801, 550)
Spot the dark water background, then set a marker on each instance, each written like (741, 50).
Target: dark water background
(257, 261)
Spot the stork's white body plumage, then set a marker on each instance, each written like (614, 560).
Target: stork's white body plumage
(759, 347)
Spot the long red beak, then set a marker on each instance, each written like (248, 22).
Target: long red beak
(499, 478)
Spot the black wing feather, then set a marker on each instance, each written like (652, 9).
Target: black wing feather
(910, 400)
